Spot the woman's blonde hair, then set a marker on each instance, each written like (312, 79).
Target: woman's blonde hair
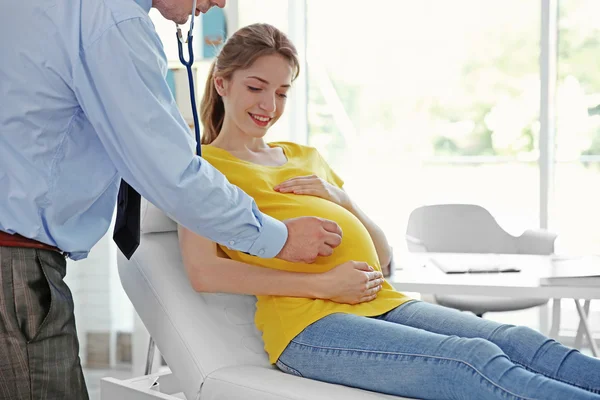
(239, 52)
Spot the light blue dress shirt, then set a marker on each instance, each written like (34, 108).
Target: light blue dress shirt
(84, 102)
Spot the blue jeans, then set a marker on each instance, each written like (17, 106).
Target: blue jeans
(426, 351)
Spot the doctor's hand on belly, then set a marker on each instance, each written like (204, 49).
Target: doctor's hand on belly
(309, 238)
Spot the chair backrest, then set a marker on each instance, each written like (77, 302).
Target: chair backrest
(197, 333)
(469, 228)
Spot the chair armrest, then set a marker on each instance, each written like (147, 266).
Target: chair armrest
(536, 241)
(415, 245)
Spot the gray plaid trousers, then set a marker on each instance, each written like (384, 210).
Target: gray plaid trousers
(39, 350)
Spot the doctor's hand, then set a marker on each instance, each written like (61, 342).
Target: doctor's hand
(352, 282)
(312, 185)
(308, 238)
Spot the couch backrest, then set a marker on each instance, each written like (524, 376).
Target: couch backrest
(197, 333)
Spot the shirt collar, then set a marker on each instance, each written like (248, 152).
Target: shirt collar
(145, 4)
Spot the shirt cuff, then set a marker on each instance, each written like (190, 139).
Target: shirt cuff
(273, 236)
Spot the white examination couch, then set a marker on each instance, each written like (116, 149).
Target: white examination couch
(209, 341)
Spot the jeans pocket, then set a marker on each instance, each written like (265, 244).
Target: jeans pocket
(287, 369)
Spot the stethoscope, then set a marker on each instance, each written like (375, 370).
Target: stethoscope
(188, 65)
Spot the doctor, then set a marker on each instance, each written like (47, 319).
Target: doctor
(84, 103)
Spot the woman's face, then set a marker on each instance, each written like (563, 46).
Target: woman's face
(254, 98)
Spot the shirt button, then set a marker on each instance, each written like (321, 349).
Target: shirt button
(261, 252)
(231, 242)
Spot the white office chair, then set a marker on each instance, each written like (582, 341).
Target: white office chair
(209, 341)
(467, 228)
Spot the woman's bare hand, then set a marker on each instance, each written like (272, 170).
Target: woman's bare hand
(312, 185)
(352, 282)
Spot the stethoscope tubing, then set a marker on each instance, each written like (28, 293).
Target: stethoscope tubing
(188, 66)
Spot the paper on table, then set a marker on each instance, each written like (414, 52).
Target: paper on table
(472, 263)
(582, 271)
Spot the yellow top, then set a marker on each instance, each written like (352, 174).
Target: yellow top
(280, 319)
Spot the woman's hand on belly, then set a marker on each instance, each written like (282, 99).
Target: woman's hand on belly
(352, 282)
(312, 185)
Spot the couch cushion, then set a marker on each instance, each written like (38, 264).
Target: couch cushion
(248, 382)
(153, 219)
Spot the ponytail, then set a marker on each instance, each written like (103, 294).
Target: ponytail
(212, 111)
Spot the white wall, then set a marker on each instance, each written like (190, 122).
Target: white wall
(101, 305)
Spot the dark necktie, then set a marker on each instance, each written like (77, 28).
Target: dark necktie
(127, 225)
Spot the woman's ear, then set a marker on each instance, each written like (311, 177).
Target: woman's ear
(220, 85)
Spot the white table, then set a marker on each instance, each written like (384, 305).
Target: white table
(415, 274)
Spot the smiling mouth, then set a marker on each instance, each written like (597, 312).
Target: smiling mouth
(260, 120)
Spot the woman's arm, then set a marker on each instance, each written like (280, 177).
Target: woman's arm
(209, 271)
(384, 251)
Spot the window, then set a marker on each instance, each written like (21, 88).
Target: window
(274, 12)
(427, 102)
(576, 215)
